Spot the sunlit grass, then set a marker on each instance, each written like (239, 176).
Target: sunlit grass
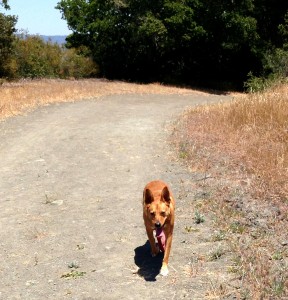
(22, 96)
(251, 130)
(243, 146)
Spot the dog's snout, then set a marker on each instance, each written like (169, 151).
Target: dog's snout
(157, 224)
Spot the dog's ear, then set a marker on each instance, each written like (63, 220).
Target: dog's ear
(165, 195)
(148, 197)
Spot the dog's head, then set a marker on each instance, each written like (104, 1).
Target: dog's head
(157, 207)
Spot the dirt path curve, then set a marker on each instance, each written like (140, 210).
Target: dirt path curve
(71, 185)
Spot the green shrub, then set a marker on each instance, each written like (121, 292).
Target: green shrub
(255, 84)
(35, 58)
(77, 65)
(275, 64)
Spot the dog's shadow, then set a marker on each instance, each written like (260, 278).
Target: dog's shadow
(149, 267)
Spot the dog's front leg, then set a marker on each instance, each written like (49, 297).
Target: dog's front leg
(154, 248)
(164, 269)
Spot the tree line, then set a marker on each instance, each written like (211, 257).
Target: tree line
(26, 56)
(213, 43)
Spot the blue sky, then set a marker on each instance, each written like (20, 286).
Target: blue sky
(38, 17)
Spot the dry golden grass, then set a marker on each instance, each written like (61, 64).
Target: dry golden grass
(22, 96)
(252, 130)
(243, 145)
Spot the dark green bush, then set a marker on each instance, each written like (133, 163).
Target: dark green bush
(7, 30)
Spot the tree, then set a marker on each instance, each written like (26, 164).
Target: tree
(4, 3)
(7, 37)
(7, 25)
(36, 58)
(192, 41)
(229, 50)
(133, 39)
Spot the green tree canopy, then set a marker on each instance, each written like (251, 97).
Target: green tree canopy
(4, 3)
(186, 40)
(7, 37)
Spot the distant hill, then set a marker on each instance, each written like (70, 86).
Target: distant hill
(59, 39)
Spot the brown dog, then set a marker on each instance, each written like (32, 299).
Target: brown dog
(158, 214)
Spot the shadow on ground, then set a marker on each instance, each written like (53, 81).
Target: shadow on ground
(149, 267)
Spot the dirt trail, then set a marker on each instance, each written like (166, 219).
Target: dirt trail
(71, 181)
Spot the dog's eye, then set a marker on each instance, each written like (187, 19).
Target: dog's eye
(152, 213)
(163, 213)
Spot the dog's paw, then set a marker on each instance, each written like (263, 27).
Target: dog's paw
(164, 270)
